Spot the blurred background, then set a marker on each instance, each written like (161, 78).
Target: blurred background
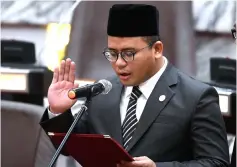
(37, 35)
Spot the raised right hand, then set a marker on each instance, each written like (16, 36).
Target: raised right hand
(63, 81)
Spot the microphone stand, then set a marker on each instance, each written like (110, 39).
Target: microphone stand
(78, 117)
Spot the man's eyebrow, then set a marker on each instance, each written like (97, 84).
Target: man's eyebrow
(111, 49)
(128, 48)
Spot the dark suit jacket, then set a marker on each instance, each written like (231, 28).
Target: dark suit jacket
(184, 130)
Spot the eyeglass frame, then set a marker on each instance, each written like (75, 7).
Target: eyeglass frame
(120, 53)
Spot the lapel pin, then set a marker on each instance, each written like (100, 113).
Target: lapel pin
(162, 98)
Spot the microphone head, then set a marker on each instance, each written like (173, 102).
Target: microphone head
(71, 94)
(107, 85)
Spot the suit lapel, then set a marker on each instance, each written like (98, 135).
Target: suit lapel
(114, 114)
(158, 99)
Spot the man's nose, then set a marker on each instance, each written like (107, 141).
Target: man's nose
(120, 62)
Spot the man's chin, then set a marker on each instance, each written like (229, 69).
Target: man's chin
(126, 82)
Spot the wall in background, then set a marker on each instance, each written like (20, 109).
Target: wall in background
(34, 34)
(36, 12)
(216, 18)
(208, 15)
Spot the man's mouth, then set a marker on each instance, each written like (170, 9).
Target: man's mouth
(124, 76)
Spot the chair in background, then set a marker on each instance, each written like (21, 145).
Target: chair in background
(24, 143)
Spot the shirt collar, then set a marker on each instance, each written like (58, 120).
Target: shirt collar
(148, 86)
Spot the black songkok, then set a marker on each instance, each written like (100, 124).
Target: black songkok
(133, 20)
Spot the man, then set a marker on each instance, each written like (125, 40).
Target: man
(158, 114)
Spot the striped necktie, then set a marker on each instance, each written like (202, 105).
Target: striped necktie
(130, 121)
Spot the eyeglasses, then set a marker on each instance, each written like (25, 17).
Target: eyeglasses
(127, 55)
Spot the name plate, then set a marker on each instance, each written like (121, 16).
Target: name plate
(225, 96)
(27, 81)
(14, 80)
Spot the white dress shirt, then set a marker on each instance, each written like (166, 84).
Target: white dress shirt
(146, 88)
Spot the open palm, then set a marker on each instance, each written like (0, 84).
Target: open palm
(63, 81)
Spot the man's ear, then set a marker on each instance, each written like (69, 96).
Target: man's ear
(158, 49)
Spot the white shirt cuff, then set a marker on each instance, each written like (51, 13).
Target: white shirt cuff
(74, 109)
(52, 115)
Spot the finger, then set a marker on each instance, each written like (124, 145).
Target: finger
(138, 163)
(55, 75)
(76, 85)
(139, 158)
(67, 69)
(72, 72)
(61, 71)
(141, 161)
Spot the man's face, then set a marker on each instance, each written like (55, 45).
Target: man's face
(140, 68)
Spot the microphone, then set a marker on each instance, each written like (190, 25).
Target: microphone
(101, 87)
(88, 91)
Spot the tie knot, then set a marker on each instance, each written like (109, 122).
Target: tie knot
(136, 93)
